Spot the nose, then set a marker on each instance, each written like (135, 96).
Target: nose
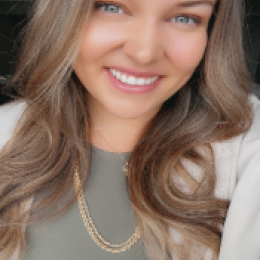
(144, 45)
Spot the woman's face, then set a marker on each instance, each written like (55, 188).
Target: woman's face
(140, 40)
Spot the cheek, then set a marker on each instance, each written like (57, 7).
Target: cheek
(98, 39)
(186, 52)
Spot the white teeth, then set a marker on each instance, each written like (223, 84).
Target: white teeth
(132, 80)
(148, 81)
(113, 72)
(118, 75)
(140, 82)
(124, 78)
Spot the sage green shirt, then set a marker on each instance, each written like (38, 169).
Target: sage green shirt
(66, 237)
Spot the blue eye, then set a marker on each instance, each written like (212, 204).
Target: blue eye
(108, 7)
(185, 20)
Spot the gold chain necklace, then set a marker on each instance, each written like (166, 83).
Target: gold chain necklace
(92, 230)
(89, 223)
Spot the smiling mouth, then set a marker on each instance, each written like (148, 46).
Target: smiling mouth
(131, 84)
(133, 80)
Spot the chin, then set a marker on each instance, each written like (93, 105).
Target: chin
(134, 113)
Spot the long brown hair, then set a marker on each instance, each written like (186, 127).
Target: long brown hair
(50, 135)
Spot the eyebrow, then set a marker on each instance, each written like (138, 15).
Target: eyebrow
(195, 3)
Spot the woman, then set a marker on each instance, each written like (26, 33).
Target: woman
(159, 88)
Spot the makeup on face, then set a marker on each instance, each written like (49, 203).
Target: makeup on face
(136, 54)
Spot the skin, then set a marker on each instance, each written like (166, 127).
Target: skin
(144, 35)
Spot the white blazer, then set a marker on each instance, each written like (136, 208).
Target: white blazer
(238, 179)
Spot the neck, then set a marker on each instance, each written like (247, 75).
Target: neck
(113, 134)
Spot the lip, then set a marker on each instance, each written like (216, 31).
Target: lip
(132, 89)
(132, 72)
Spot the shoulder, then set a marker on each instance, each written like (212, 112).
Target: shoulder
(245, 146)
(241, 234)
(250, 141)
(9, 116)
(254, 132)
(233, 156)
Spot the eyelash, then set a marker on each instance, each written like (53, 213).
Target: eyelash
(195, 19)
(98, 4)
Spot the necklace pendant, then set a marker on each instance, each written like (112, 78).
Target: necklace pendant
(125, 168)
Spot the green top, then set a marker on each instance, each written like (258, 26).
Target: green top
(106, 194)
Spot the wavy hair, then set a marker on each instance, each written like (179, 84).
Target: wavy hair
(50, 136)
